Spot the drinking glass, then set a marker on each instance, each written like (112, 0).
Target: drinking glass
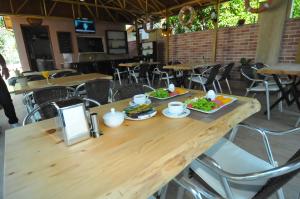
(45, 74)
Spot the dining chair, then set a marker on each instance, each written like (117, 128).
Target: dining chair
(34, 77)
(64, 74)
(224, 76)
(41, 109)
(163, 75)
(118, 72)
(128, 91)
(260, 83)
(40, 96)
(143, 73)
(99, 90)
(206, 78)
(228, 171)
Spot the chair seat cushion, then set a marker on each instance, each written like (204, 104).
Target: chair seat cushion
(261, 87)
(198, 79)
(234, 160)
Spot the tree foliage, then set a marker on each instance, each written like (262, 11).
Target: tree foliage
(296, 9)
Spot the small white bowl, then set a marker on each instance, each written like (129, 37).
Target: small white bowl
(113, 118)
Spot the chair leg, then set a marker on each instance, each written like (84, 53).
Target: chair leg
(297, 124)
(280, 105)
(215, 88)
(219, 85)
(268, 103)
(228, 85)
(190, 84)
(204, 88)
(153, 75)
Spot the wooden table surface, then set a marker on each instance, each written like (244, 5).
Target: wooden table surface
(61, 81)
(129, 65)
(129, 162)
(281, 69)
(51, 72)
(188, 66)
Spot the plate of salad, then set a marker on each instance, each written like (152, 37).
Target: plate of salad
(206, 105)
(163, 93)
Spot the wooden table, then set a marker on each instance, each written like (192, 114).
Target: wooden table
(62, 81)
(188, 66)
(129, 162)
(281, 69)
(134, 64)
(293, 71)
(51, 72)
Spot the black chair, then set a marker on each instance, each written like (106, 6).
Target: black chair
(206, 78)
(50, 94)
(128, 91)
(224, 76)
(99, 90)
(144, 73)
(63, 74)
(34, 77)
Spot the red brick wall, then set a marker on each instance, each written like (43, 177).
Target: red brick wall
(290, 41)
(233, 44)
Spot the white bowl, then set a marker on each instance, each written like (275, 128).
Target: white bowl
(113, 118)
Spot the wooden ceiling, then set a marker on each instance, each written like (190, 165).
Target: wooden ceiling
(108, 10)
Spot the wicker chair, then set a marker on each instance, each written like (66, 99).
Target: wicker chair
(44, 107)
(99, 90)
(44, 95)
(128, 91)
(34, 77)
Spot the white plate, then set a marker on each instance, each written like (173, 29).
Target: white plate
(131, 103)
(143, 117)
(167, 97)
(185, 113)
(215, 110)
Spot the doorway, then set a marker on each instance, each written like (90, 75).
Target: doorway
(38, 47)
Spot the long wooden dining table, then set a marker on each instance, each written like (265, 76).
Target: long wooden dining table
(51, 72)
(61, 81)
(131, 161)
(187, 66)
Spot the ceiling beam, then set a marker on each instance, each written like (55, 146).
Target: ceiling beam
(52, 8)
(21, 6)
(108, 12)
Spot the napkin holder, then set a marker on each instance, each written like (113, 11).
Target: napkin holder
(72, 121)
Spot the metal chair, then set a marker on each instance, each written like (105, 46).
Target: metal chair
(260, 84)
(64, 74)
(43, 95)
(143, 73)
(224, 76)
(30, 117)
(118, 72)
(99, 90)
(206, 78)
(34, 77)
(128, 91)
(231, 172)
(162, 74)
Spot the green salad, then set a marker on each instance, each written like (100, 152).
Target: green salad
(201, 104)
(160, 93)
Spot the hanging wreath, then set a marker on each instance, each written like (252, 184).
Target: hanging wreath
(263, 7)
(148, 20)
(184, 13)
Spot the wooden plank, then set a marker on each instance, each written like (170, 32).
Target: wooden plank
(189, 66)
(281, 69)
(62, 81)
(128, 162)
(51, 72)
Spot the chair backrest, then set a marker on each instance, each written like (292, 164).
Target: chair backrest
(144, 69)
(49, 105)
(50, 94)
(61, 74)
(98, 90)
(250, 72)
(34, 77)
(273, 184)
(227, 71)
(128, 91)
(212, 74)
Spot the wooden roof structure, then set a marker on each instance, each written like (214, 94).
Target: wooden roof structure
(125, 11)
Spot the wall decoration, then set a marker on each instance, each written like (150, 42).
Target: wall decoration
(187, 16)
(263, 7)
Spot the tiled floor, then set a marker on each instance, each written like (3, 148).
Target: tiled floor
(283, 147)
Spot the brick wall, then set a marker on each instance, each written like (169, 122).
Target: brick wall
(290, 41)
(233, 44)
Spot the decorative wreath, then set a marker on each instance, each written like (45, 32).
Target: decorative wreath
(183, 13)
(148, 20)
(261, 8)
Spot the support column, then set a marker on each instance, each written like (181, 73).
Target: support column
(271, 26)
(137, 38)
